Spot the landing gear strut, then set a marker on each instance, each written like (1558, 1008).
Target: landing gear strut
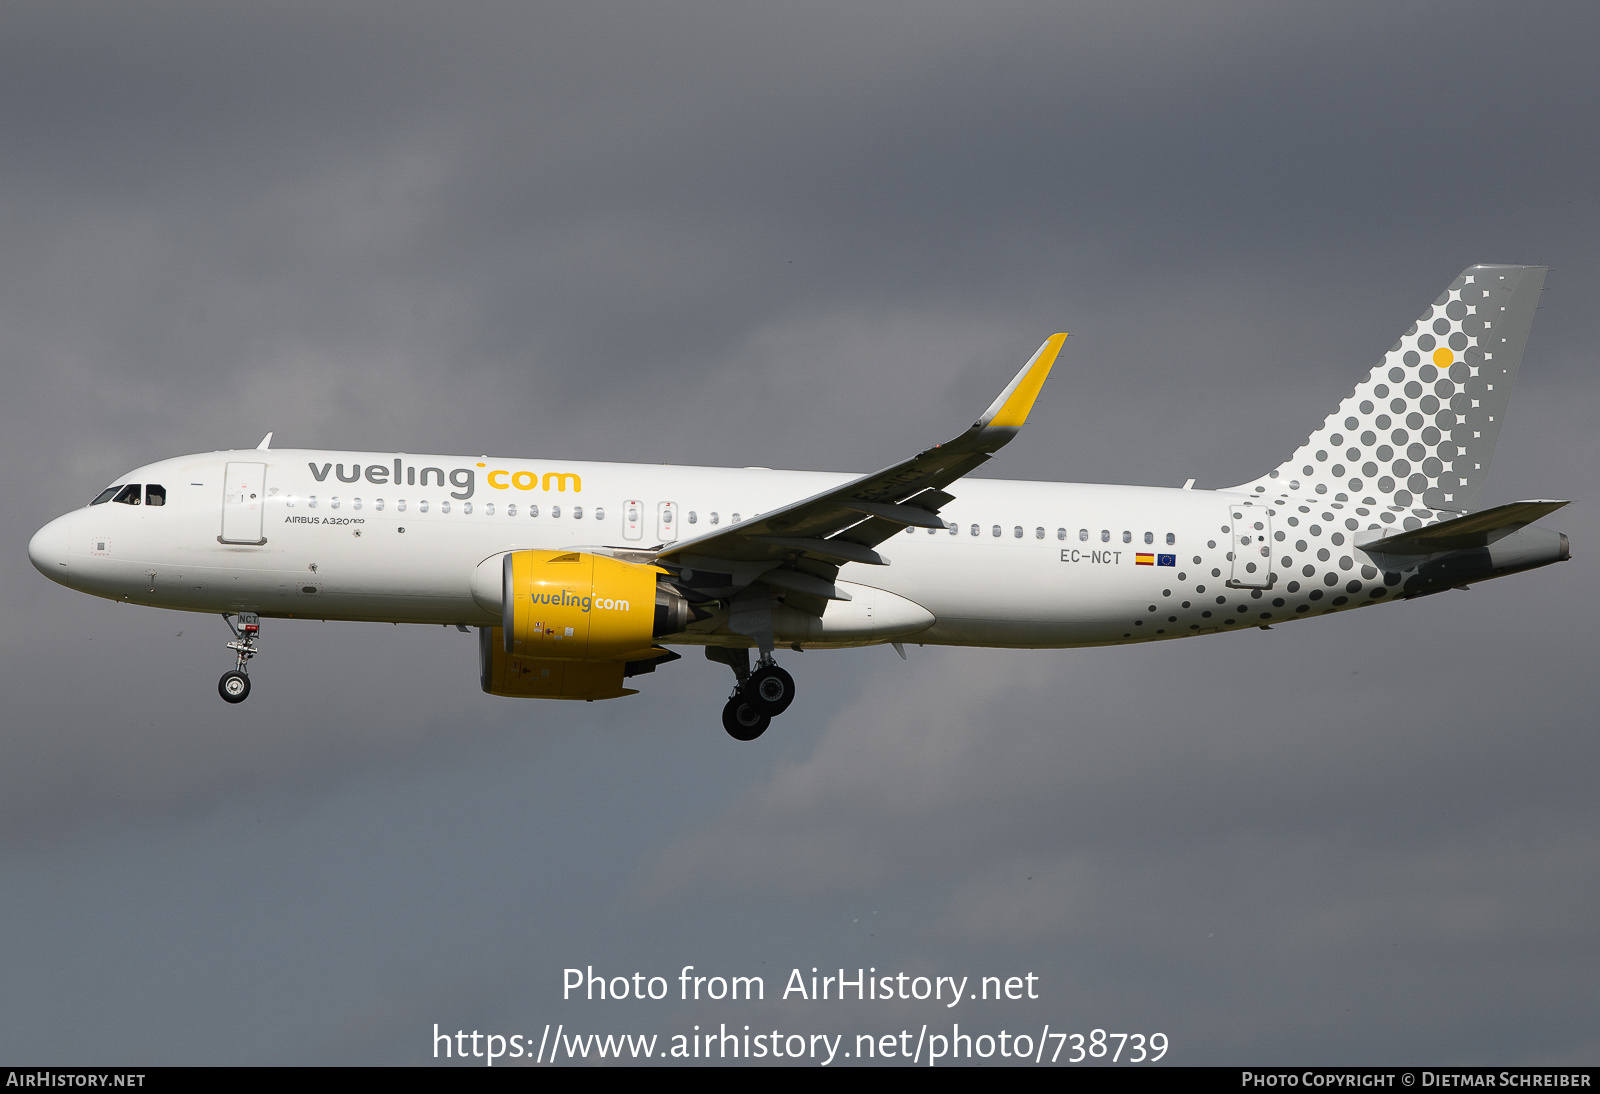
(757, 697)
(234, 687)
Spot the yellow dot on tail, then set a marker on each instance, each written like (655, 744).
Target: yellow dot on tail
(1442, 357)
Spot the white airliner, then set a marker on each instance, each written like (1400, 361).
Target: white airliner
(578, 575)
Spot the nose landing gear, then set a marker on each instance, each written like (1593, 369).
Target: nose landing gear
(758, 697)
(234, 687)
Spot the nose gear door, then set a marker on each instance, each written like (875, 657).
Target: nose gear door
(244, 493)
(1250, 547)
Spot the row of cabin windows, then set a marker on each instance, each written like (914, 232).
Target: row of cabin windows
(153, 494)
(488, 509)
(130, 494)
(1017, 532)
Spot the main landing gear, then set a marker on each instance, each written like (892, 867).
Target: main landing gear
(234, 687)
(758, 697)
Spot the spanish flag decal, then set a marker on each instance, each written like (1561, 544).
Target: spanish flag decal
(1142, 559)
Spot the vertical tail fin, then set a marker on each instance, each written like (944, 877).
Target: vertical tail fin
(1421, 428)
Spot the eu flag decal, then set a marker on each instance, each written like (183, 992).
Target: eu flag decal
(1166, 560)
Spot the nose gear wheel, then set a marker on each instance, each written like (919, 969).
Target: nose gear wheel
(234, 687)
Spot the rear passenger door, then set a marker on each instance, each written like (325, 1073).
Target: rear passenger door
(1250, 547)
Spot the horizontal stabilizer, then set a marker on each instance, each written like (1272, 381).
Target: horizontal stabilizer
(1460, 533)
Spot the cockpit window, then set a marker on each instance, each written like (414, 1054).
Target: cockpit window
(105, 495)
(155, 495)
(128, 495)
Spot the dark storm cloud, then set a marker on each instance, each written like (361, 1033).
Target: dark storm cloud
(814, 236)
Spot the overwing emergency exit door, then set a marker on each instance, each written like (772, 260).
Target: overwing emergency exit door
(667, 521)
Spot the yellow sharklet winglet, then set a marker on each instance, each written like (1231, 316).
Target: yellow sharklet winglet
(1010, 411)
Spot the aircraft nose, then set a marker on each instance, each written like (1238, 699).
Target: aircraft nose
(47, 550)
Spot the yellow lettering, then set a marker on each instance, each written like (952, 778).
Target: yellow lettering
(561, 478)
(524, 480)
(496, 485)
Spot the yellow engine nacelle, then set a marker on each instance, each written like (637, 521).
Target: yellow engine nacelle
(572, 622)
(575, 606)
(541, 678)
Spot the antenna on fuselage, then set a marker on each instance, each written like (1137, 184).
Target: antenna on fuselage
(266, 443)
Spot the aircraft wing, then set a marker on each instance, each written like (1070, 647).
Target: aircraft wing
(814, 536)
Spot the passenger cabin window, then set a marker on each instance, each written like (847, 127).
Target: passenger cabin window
(714, 518)
(693, 519)
(533, 510)
(1171, 539)
(1127, 537)
(974, 529)
(599, 514)
(1149, 537)
(1083, 535)
(155, 495)
(953, 528)
(995, 532)
(105, 495)
(1105, 535)
(1016, 533)
(511, 510)
(577, 512)
(1038, 533)
(129, 495)
(555, 511)
(1061, 533)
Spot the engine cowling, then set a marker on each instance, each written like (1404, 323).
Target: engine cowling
(578, 606)
(542, 678)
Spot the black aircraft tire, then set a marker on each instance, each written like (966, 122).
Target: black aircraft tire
(770, 690)
(234, 687)
(743, 721)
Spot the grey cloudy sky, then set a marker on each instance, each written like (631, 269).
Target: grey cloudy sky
(814, 236)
